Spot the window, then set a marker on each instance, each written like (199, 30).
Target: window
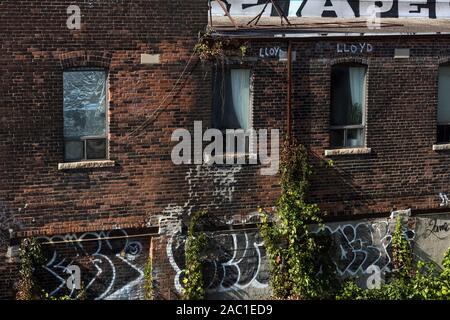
(443, 121)
(347, 106)
(85, 122)
(232, 100)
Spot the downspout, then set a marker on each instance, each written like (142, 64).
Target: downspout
(289, 92)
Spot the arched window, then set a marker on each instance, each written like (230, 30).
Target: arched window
(85, 114)
(348, 105)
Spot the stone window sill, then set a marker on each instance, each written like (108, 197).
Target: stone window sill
(86, 164)
(440, 147)
(347, 151)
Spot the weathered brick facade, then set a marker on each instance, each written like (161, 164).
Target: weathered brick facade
(144, 190)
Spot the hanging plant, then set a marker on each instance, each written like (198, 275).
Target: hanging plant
(210, 48)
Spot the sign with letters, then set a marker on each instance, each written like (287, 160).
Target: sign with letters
(425, 9)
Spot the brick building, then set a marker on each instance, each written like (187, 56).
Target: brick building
(96, 184)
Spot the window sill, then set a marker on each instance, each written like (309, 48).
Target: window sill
(86, 164)
(347, 151)
(440, 147)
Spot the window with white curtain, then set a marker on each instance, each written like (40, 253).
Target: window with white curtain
(347, 106)
(443, 121)
(232, 99)
(85, 109)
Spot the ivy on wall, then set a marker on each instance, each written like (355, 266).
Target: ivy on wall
(421, 281)
(148, 280)
(193, 283)
(295, 253)
(300, 262)
(30, 256)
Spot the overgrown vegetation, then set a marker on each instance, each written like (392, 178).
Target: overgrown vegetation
(193, 284)
(407, 281)
(209, 48)
(300, 262)
(30, 256)
(402, 261)
(148, 279)
(292, 248)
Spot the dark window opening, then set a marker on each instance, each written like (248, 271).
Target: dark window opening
(443, 128)
(232, 102)
(347, 106)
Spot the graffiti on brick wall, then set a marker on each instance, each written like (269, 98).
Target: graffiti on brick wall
(111, 265)
(338, 8)
(8, 223)
(204, 182)
(236, 261)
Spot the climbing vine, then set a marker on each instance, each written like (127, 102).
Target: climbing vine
(30, 256)
(401, 253)
(295, 253)
(407, 281)
(148, 280)
(193, 284)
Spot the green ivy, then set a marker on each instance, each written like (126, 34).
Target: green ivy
(293, 250)
(419, 282)
(148, 280)
(401, 253)
(30, 256)
(193, 284)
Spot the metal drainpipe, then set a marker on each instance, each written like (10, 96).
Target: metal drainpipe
(289, 91)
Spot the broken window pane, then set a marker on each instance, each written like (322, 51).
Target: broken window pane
(84, 103)
(85, 114)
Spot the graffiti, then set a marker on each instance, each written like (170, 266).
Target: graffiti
(109, 263)
(437, 228)
(236, 261)
(354, 48)
(272, 52)
(357, 247)
(444, 200)
(431, 9)
(217, 182)
(8, 223)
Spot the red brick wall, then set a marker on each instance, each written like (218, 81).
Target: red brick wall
(402, 171)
